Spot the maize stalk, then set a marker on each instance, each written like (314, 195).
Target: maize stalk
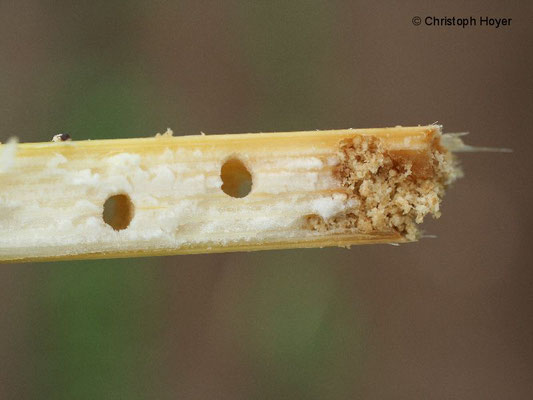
(216, 193)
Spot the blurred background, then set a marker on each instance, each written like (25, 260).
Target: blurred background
(450, 317)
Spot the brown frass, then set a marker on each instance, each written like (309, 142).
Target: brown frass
(393, 190)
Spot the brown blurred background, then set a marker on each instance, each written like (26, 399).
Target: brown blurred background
(443, 318)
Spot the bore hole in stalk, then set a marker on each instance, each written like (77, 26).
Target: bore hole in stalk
(118, 211)
(236, 179)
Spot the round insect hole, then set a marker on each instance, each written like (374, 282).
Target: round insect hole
(118, 211)
(236, 179)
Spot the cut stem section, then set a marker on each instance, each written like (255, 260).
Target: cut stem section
(216, 193)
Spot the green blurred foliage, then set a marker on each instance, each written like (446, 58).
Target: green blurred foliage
(304, 333)
(94, 331)
(112, 104)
